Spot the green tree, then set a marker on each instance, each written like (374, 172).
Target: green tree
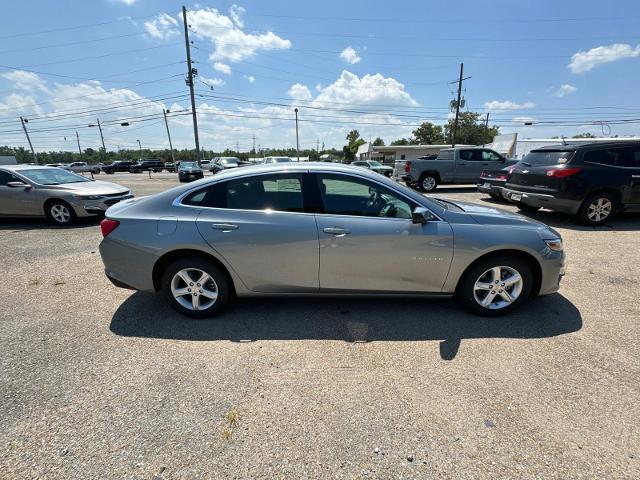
(429, 134)
(584, 135)
(471, 130)
(349, 150)
(378, 142)
(402, 141)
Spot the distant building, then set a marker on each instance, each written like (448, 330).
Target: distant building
(389, 154)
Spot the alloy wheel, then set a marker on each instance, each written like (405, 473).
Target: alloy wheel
(498, 287)
(60, 213)
(194, 289)
(429, 183)
(599, 209)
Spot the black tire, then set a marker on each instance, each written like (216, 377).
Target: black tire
(527, 208)
(597, 217)
(467, 292)
(55, 211)
(428, 182)
(220, 282)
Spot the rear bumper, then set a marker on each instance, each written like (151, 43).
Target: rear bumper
(490, 188)
(127, 266)
(542, 200)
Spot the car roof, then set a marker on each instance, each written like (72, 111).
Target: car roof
(25, 167)
(293, 167)
(587, 146)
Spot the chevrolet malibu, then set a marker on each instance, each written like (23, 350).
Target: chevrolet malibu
(60, 195)
(323, 229)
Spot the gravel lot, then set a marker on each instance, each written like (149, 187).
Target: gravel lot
(99, 382)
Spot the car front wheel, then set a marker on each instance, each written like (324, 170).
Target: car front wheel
(60, 213)
(195, 287)
(596, 209)
(496, 286)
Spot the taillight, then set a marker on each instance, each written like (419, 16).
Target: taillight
(483, 174)
(510, 170)
(562, 172)
(502, 176)
(107, 226)
(407, 167)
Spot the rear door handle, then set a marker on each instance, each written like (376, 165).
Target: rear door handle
(225, 227)
(337, 231)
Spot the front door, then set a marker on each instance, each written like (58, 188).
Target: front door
(368, 241)
(259, 227)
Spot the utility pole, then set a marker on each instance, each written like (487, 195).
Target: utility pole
(166, 124)
(79, 149)
(237, 148)
(318, 146)
(139, 145)
(297, 142)
(24, 127)
(455, 124)
(486, 126)
(254, 143)
(190, 83)
(104, 149)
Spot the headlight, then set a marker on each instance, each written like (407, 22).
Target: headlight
(88, 197)
(554, 244)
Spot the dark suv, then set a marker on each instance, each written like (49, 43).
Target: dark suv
(589, 181)
(147, 166)
(117, 166)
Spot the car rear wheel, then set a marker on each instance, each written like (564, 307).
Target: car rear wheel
(496, 286)
(60, 213)
(428, 183)
(195, 287)
(597, 209)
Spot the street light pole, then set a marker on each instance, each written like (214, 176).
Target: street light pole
(24, 127)
(297, 141)
(166, 124)
(140, 145)
(79, 149)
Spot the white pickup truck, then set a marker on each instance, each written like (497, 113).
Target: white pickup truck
(81, 167)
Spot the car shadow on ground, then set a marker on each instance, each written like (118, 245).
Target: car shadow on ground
(18, 224)
(347, 319)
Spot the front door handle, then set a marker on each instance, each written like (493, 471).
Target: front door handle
(225, 227)
(337, 231)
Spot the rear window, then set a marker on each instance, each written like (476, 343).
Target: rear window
(544, 158)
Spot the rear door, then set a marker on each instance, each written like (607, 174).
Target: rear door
(617, 167)
(469, 164)
(634, 166)
(369, 243)
(258, 225)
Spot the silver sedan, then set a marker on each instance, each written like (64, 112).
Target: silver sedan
(323, 229)
(60, 195)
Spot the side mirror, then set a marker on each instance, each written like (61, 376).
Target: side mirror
(421, 215)
(19, 185)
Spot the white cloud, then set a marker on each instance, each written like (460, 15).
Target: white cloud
(368, 89)
(250, 78)
(300, 92)
(507, 105)
(25, 80)
(582, 62)
(163, 27)
(17, 104)
(564, 90)
(230, 42)
(216, 82)
(349, 55)
(128, 2)
(523, 120)
(222, 67)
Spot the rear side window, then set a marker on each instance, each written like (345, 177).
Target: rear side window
(266, 192)
(614, 157)
(545, 158)
(445, 155)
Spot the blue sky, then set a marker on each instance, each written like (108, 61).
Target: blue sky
(380, 67)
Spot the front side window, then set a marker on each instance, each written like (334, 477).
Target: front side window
(345, 195)
(6, 177)
(488, 155)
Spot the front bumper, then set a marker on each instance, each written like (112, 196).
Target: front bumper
(190, 176)
(542, 200)
(88, 208)
(553, 269)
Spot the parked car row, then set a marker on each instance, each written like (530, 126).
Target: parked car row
(591, 182)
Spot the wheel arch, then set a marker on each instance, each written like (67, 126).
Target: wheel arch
(532, 262)
(162, 263)
(435, 173)
(50, 200)
(614, 191)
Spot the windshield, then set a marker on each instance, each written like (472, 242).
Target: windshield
(52, 176)
(188, 165)
(545, 158)
(281, 159)
(229, 161)
(373, 163)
